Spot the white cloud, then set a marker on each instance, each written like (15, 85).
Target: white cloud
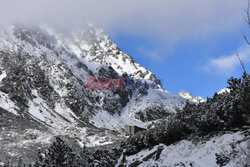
(227, 64)
(163, 19)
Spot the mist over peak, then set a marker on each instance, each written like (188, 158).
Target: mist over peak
(163, 19)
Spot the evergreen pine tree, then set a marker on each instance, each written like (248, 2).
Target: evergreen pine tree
(58, 155)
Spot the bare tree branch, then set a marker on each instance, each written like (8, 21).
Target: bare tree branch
(247, 20)
(248, 14)
(241, 62)
(245, 37)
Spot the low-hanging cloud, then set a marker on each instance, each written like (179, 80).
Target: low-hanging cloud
(164, 19)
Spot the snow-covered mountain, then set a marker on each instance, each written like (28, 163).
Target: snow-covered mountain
(43, 75)
(186, 95)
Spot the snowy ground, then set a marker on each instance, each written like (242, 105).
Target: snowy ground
(234, 146)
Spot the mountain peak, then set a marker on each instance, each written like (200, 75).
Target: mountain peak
(186, 95)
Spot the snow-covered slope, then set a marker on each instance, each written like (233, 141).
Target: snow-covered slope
(230, 149)
(145, 105)
(94, 45)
